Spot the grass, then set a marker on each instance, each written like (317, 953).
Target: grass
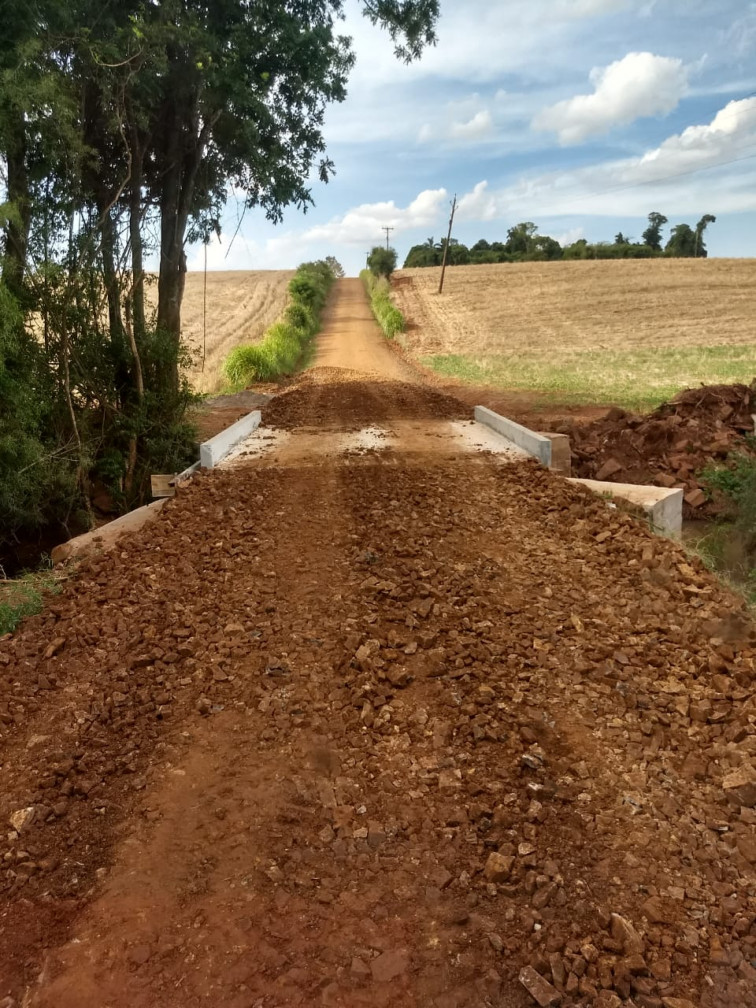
(387, 315)
(24, 597)
(285, 342)
(638, 379)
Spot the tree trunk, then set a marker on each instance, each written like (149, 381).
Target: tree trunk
(183, 152)
(17, 231)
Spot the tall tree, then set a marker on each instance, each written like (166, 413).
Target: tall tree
(700, 250)
(682, 242)
(652, 235)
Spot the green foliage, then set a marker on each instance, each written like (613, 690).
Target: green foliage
(523, 244)
(282, 346)
(652, 234)
(737, 481)
(24, 597)
(381, 261)
(387, 315)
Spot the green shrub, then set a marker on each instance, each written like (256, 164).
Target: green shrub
(282, 346)
(387, 315)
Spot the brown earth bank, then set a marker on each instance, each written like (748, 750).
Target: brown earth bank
(408, 730)
(672, 445)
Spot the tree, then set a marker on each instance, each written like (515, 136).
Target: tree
(619, 239)
(382, 261)
(545, 247)
(520, 238)
(422, 255)
(122, 127)
(682, 242)
(652, 235)
(700, 248)
(335, 267)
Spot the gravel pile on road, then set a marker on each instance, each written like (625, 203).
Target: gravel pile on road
(486, 743)
(350, 401)
(670, 446)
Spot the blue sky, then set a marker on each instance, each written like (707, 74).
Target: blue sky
(580, 115)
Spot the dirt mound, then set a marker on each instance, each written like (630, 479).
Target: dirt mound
(345, 400)
(431, 738)
(670, 446)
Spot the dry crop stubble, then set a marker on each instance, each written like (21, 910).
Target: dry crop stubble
(631, 331)
(241, 304)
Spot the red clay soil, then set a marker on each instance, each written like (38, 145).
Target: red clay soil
(670, 446)
(442, 733)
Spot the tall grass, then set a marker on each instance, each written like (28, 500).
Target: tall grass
(284, 343)
(387, 315)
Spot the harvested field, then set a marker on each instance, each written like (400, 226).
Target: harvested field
(422, 729)
(630, 333)
(241, 304)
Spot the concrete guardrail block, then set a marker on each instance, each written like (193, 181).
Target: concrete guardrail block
(663, 507)
(216, 449)
(534, 444)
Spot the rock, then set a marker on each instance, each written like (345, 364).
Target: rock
(539, 989)
(389, 965)
(498, 867)
(607, 999)
(674, 1002)
(740, 786)
(610, 468)
(359, 968)
(22, 818)
(139, 954)
(376, 834)
(204, 706)
(655, 912)
(696, 498)
(624, 932)
(53, 648)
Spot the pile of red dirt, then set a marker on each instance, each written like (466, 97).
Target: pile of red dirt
(670, 446)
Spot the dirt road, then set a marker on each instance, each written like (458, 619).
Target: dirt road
(380, 726)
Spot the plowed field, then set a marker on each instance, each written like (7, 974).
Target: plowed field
(240, 307)
(630, 332)
(412, 726)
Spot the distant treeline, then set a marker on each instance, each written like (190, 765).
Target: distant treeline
(524, 244)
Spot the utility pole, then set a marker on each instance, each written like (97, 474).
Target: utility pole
(388, 231)
(446, 247)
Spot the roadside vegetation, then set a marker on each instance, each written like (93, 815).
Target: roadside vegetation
(729, 546)
(283, 345)
(24, 596)
(524, 244)
(381, 263)
(637, 379)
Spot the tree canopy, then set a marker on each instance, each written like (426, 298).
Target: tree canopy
(524, 244)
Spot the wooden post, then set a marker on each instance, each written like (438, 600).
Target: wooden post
(446, 247)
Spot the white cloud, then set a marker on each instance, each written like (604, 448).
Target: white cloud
(569, 237)
(588, 8)
(364, 223)
(666, 175)
(479, 126)
(639, 85)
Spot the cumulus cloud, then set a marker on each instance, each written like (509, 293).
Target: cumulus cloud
(636, 86)
(667, 173)
(364, 223)
(479, 126)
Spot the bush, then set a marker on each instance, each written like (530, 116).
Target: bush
(387, 315)
(282, 346)
(382, 261)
